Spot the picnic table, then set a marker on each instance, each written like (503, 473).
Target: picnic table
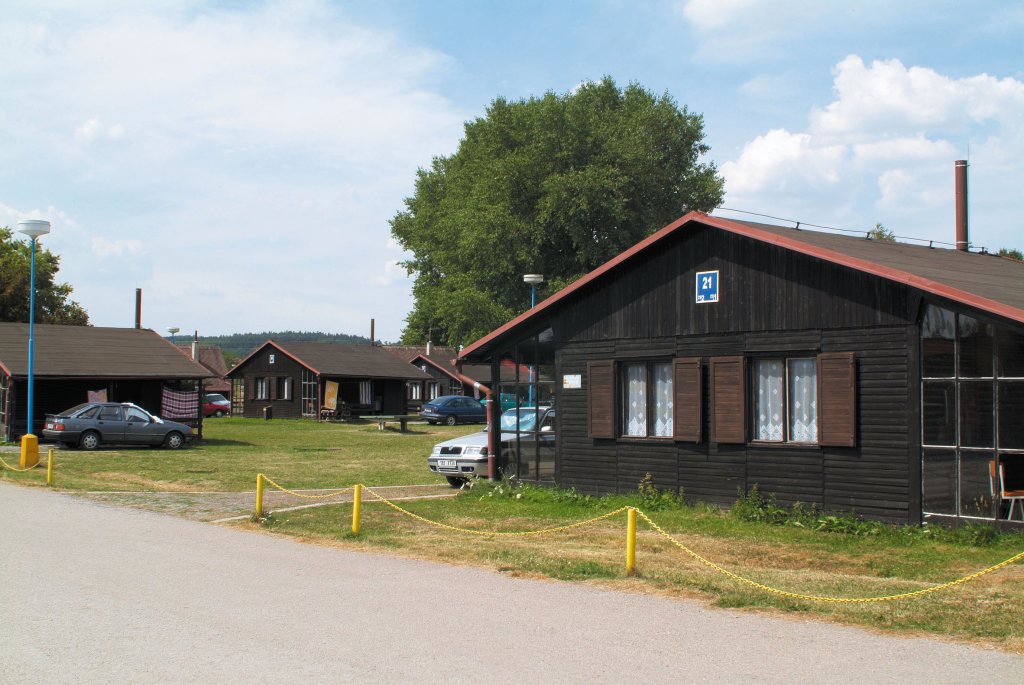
(402, 420)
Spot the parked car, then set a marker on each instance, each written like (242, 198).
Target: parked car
(215, 404)
(93, 424)
(453, 409)
(463, 458)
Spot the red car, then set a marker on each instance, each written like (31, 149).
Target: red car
(216, 404)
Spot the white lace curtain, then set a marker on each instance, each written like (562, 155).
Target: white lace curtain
(663, 400)
(798, 401)
(803, 400)
(636, 399)
(770, 397)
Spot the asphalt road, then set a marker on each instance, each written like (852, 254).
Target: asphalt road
(91, 593)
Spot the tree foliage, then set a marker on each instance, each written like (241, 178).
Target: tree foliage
(555, 185)
(52, 299)
(880, 232)
(1011, 253)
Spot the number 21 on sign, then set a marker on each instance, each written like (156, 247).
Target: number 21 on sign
(707, 287)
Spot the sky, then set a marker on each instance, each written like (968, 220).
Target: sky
(239, 161)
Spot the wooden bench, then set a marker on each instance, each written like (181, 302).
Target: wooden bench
(403, 421)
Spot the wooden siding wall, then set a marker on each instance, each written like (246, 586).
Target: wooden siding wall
(771, 301)
(873, 477)
(259, 366)
(761, 288)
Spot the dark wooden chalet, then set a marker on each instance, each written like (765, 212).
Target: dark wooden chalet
(289, 380)
(438, 362)
(864, 376)
(76, 363)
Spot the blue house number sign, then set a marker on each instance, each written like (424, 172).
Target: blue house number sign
(707, 287)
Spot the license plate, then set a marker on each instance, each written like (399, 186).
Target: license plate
(49, 425)
(446, 463)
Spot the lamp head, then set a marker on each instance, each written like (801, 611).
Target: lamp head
(533, 279)
(33, 228)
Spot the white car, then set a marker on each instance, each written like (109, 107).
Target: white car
(463, 458)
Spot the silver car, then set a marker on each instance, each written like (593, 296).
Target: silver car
(93, 424)
(463, 458)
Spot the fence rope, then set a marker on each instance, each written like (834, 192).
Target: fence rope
(661, 531)
(299, 494)
(494, 533)
(14, 468)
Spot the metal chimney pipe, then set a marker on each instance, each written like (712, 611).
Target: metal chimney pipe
(138, 307)
(373, 340)
(960, 175)
(430, 347)
(195, 346)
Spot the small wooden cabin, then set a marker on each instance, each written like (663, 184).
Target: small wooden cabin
(289, 380)
(438, 362)
(862, 376)
(76, 363)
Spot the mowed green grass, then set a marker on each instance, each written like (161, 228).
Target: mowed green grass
(305, 454)
(296, 454)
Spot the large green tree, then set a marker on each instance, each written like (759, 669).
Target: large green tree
(52, 299)
(555, 185)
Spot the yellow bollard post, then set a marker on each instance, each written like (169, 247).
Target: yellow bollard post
(259, 495)
(29, 451)
(630, 541)
(357, 507)
(49, 468)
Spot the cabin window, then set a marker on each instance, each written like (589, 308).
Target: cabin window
(414, 390)
(972, 391)
(786, 400)
(647, 399)
(260, 389)
(284, 388)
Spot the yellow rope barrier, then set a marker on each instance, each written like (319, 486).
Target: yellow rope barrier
(492, 533)
(661, 531)
(14, 468)
(299, 494)
(819, 598)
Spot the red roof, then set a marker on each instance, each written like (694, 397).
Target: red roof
(982, 281)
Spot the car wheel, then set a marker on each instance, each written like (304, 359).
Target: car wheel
(455, 481)
(90, 440)
(174, 440)
(451, 420)
(219, 413)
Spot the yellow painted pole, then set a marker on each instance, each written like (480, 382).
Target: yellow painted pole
(357, 507)
(49, 467)
(259, 495)
(630, 541)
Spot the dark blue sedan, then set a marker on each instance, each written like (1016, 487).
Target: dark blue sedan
(453, 409)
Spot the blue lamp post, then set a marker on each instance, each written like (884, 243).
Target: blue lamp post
(533, 280)
(33, 228)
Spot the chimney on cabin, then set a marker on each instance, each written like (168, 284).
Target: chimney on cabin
(195, 346)
(960, 175)
(430, 347)
(138, 307)
(373, 340)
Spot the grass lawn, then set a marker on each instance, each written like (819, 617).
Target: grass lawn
(851, 560)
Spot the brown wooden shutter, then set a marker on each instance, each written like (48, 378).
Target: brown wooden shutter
(272, 387)
(686, 400)
(837, 399)
(250, 384)
(601, 399)
(728, 407)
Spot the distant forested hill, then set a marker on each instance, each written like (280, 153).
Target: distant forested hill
(239, 345)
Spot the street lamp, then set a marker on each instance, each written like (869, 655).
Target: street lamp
(172, 330)
(533, 280)
(33, 228)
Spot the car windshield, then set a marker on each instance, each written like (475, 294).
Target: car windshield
(519, 419)
(74, 410)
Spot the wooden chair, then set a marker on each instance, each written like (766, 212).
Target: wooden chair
(1013, 496)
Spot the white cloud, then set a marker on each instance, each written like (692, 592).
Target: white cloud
(260, 152)
(709, 15)
(101, 247)
(884, 147)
